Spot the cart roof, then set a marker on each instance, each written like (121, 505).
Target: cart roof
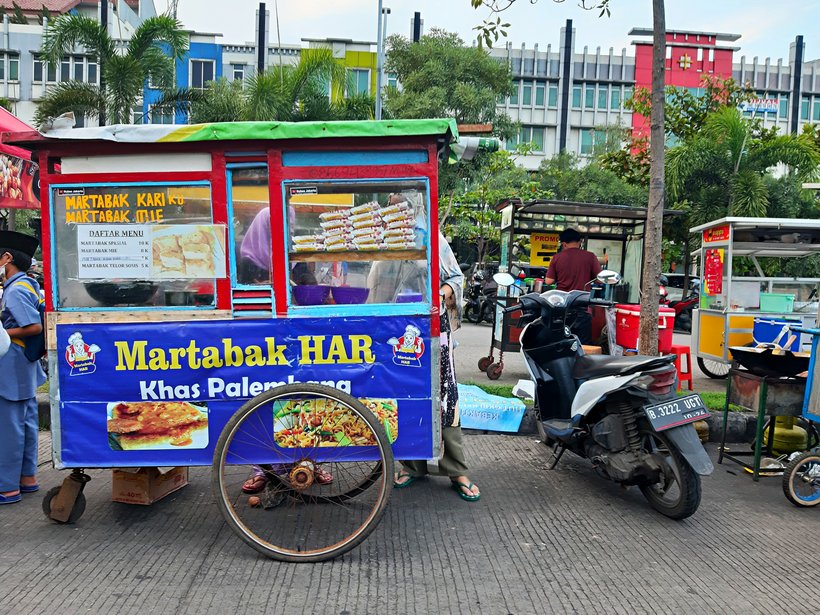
(237, 131)
(774, 237)
(556, 215)
(761, 223)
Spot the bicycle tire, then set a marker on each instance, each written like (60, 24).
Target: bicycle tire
(289, 513)
(801, 480)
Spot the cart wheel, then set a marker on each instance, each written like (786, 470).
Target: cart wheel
(494, 371)
(76, 512)
(484, 363)
(713, 369)
(299, 516)
(801, 480)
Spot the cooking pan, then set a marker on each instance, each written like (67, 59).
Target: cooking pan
(769, 361)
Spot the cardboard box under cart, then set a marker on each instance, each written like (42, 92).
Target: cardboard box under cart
(146, 485)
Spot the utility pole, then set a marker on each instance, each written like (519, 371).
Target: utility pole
(381, 34)
(104, 24)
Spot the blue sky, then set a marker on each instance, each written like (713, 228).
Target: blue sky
(767, 27)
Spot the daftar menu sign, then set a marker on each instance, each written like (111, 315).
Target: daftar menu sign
(204, 371)
(543, 246)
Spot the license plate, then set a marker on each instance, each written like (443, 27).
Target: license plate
(676, 412)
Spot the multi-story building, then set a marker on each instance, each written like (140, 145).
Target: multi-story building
(573, 101)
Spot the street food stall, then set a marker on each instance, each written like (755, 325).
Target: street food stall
(530, 228)
(739, 303)
(19, 176)
(257, 297)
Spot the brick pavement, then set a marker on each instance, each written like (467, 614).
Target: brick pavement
(563, 541)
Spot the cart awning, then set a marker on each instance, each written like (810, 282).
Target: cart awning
(242, 131)
(20, 189)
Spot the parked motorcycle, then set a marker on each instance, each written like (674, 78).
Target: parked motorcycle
(683, 312)
(480, 299)
(621, 413)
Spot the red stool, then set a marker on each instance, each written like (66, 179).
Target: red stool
(679, 351)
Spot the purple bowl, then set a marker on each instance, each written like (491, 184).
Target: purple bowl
(309, 294)
(409, 298)
(350, 294)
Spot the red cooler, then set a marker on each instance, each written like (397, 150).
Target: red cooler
(628, 318)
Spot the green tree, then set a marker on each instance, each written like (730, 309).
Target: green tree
(565, 178)
(723, 168)
(150, 53)
(286, 93)
(440, 77)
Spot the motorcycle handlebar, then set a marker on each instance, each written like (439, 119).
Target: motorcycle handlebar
(512, 308)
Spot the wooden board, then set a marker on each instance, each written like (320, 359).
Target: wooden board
(118, 316)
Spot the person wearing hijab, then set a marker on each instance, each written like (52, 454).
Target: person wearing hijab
(453, 462)
(19, 377)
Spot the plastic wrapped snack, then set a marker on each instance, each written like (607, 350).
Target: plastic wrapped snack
(340, 231)
(339, 214)
(333, 224)
(366, 215)
(304, 239)
(371, 221)
(367, 231)
(335, 239)
(308, 247)
(395, 208)
(338, 247)
(404, 232)
(399, 215)
(397, 224)
(400, 245)
(371, 206)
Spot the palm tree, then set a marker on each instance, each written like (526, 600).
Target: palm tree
(313, 89)
(151, 53)
(722, 170)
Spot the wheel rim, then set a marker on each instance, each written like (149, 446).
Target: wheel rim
(668, 491)
(297, 516)
(805, 481)
(713, 369)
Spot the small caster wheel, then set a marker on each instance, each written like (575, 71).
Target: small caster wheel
(484, 363)
(494, 371)
(76, 512)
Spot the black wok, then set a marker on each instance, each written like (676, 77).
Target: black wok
(765, 362)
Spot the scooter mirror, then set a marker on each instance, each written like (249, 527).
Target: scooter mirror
(503, 279)
(607, 276)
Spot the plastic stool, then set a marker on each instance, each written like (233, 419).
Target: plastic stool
(679, 350)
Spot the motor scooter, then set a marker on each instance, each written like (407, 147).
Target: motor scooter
(621, 413)
(480, 299)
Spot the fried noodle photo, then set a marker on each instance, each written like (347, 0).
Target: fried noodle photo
(315, 423)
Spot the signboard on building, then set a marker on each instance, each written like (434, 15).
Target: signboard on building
(760, 105)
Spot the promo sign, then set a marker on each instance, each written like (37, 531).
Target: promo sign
(543, 246)
(200, 373)
(716, 234)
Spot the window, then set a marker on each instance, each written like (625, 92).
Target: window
(51, 73)
(531, 135)
(615, 98)
(345, 218)
(393, 82)
(589, 97)
(514, 95)
(627, 93)
(576, 97)
(552, 96)
(37, 74)
(238, 72)
(65, 69)
(815, 110)
(603, 91)
(79, 67)
(252, 238)
(14, 68)
(202, 72)
(358, 81)
(537, 138)
(511, 144)
(526, 94)
(586, 141)
(539, 95)
(92, 72)
(149, 270)
(784, 106)
(2, 67)
(804, 108)
(161, 116)
(137, 116)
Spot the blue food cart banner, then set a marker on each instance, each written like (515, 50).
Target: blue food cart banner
(481, 410)
(160, 393)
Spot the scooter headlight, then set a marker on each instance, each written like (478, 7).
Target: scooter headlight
(556, 300)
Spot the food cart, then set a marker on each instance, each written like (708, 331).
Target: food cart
(613, 232)
(739, 303)
(257, 297)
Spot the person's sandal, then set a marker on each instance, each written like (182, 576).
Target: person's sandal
(255, 484)
(323, 477)
(460, 487)
(404, 479)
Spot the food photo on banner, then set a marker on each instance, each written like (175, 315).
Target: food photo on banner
(161, 393)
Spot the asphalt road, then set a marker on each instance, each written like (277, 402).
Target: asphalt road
(538, 541)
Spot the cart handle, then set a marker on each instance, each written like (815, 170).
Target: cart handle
(803, 330)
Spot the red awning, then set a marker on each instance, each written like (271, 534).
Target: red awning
(9, 123)
(19, 178)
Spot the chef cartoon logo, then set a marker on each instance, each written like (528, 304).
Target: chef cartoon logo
(80, 356)
(409, 348)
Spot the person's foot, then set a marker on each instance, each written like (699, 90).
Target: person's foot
(465, 488)
(10, 497)
(255, 484)
(403, 479)
(28, 481)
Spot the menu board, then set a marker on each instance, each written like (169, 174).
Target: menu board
(713, 272)
(140, 251)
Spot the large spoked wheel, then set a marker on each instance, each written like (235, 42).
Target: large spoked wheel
(329, 470)
(677, 495)
(713, 369)
(801, 480)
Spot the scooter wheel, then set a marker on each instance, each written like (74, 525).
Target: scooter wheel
(494, 371)
(484, 363)
(472, 314)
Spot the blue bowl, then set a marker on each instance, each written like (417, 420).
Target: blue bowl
(409, 298)
(349, 294)
(309, 294)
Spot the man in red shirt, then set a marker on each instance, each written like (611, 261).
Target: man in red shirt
(572, 269)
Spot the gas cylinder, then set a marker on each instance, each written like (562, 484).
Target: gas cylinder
(788, 436)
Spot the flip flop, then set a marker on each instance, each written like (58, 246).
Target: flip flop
(406, 478)
(255, 484)
(10, 499)
(29, 488)
(323, 477)
(459, 487)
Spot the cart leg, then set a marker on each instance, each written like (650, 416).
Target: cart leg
(63, 502)
(761, 415)
(725, 418)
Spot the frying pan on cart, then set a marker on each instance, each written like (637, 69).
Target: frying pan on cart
(770, 360)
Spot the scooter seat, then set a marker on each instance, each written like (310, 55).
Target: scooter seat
(597, 365)
(558, 428)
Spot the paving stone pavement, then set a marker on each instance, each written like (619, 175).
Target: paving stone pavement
(538, 541)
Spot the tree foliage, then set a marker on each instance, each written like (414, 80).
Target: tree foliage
(286, 94)
(150, 53)
(566, 179)
(440, 77)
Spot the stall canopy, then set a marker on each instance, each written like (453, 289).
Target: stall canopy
(19, 176)
(592, 218)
